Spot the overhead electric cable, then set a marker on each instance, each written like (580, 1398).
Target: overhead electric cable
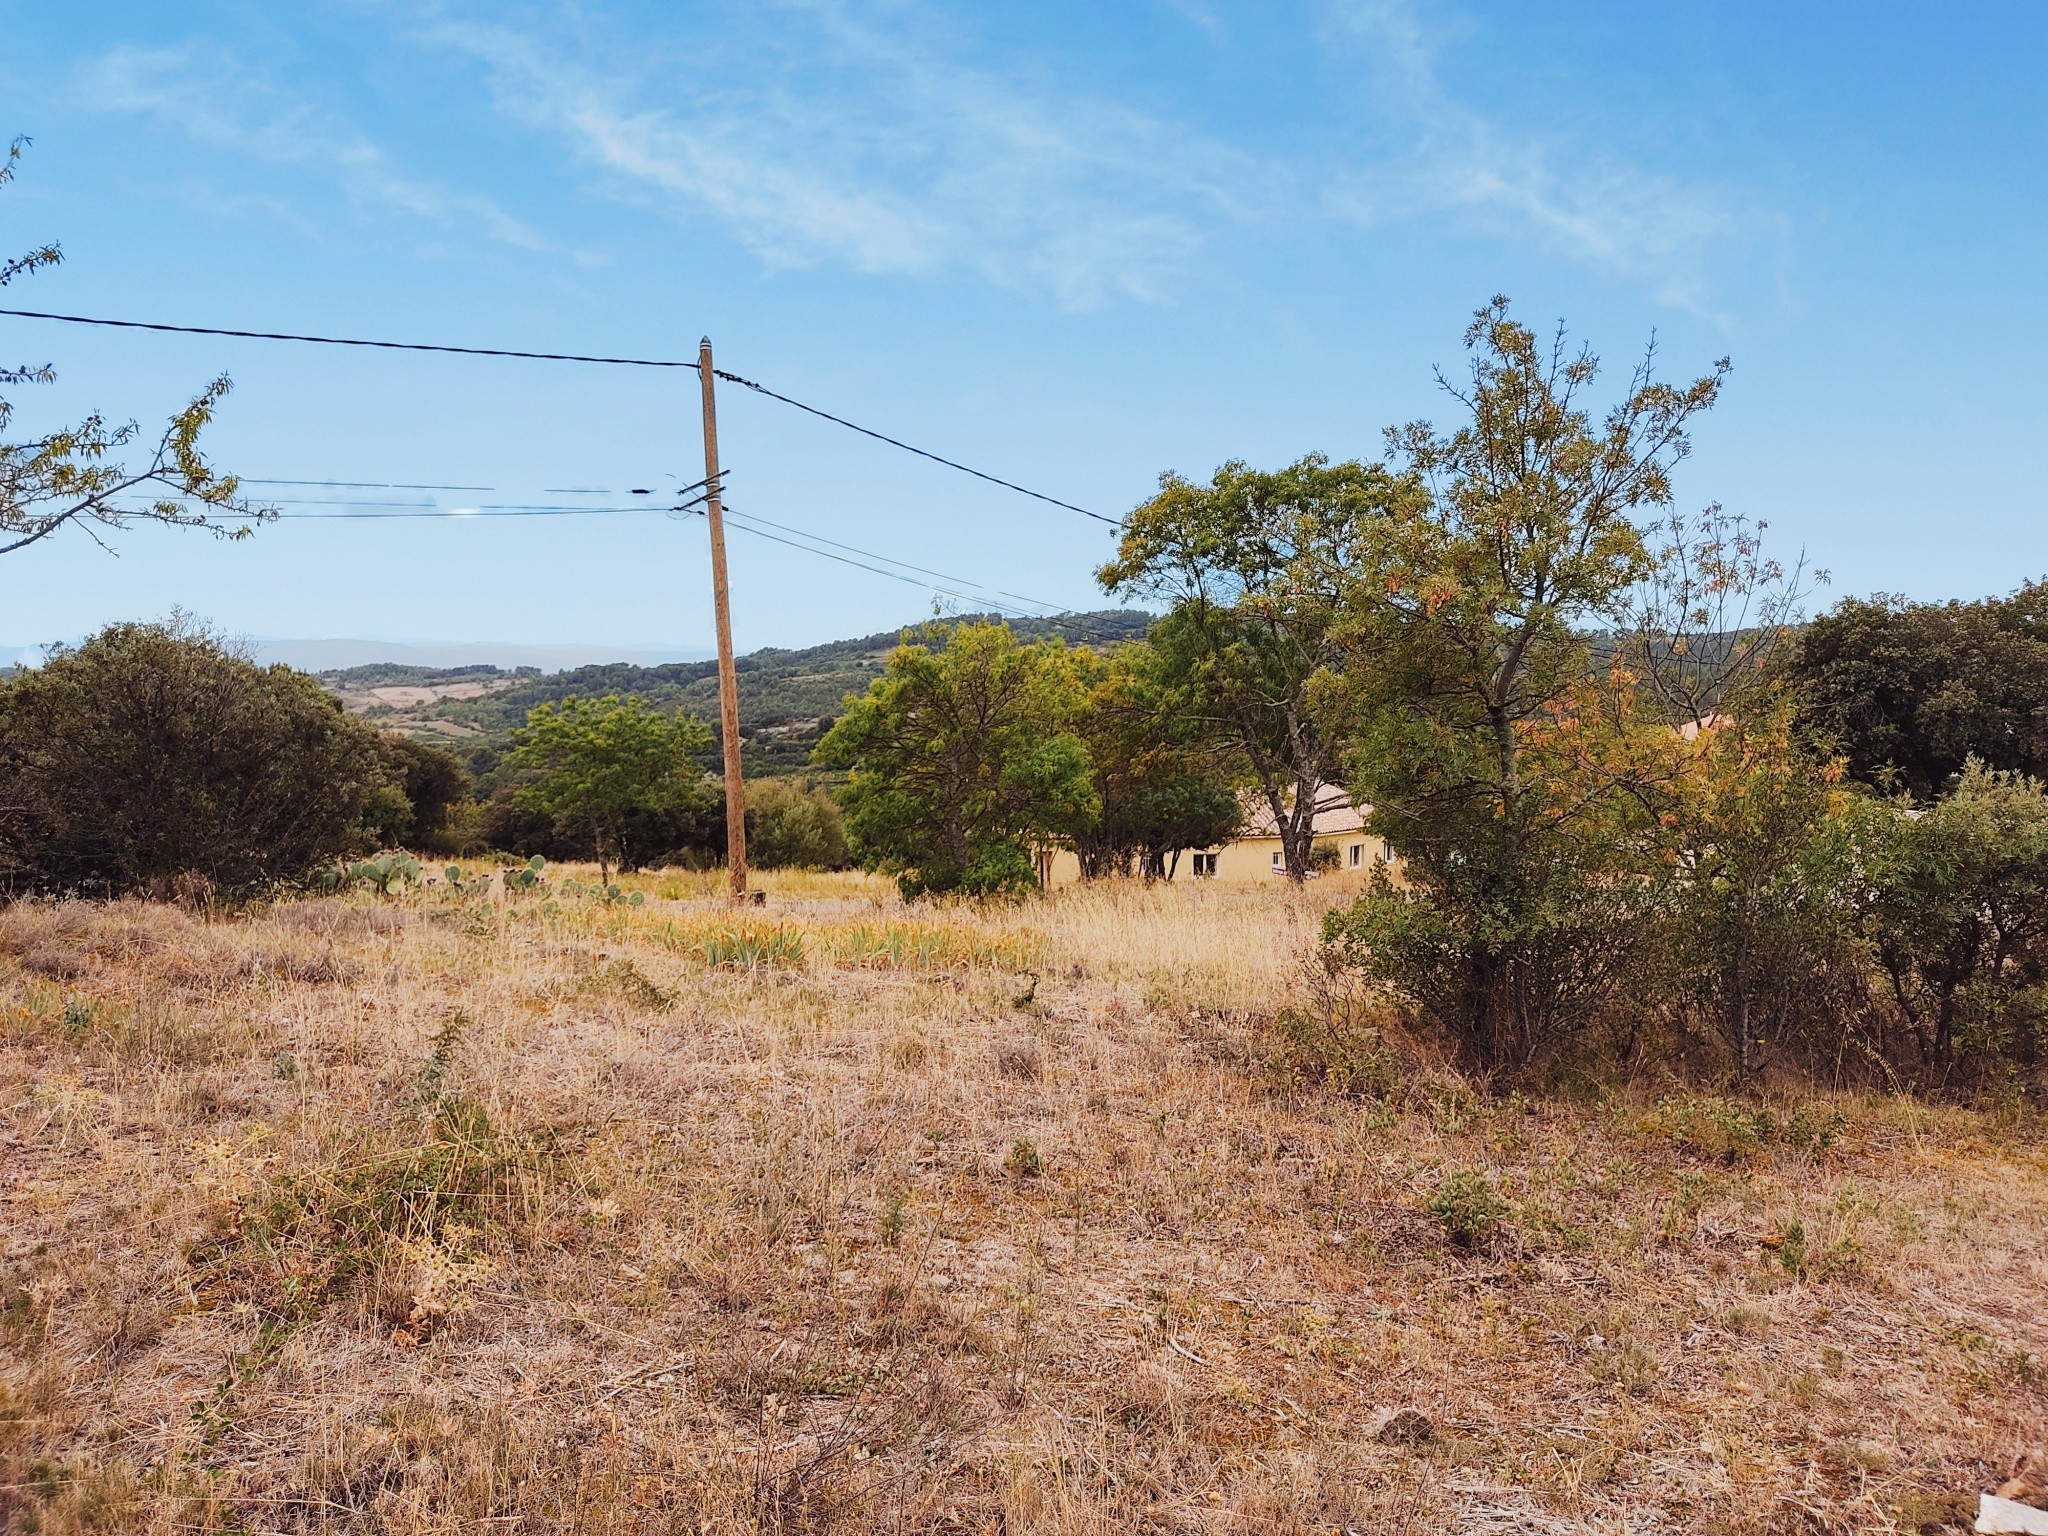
(363, 485)
(805, 533)
(1008, 485)
(446, 512)
(564, 357)
(826, 554)
(348, 341)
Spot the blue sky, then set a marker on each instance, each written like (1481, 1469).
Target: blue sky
(1070, 243)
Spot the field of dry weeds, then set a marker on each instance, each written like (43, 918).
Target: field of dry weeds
(1096, 1214)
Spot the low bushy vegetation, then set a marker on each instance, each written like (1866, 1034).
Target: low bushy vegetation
(153, 757)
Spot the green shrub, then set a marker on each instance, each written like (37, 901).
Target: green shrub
(1957, 912)
(1469, 1208)
(794, 824)
(436, 790)
(155, 757)
(961, 763)
(1024, 1161)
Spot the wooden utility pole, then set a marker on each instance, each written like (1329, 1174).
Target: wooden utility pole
(721, 602)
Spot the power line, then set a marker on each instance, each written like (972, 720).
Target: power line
(363, 485)
(348, 341)
(1008, 485)
(406, 511)
(564, 357)
(826, 554)
(805, 533)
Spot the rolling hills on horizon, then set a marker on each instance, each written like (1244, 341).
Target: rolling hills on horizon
(788, 698)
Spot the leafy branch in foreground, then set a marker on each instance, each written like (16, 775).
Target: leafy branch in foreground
(78, 474)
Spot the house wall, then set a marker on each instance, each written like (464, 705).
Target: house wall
(1249, 861)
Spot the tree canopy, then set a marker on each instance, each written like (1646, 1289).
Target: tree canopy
(153, 753)
(1911, 691)
(1258, 566)
(1511, 776)
(962, 762)
(598, 763)
(1161, 790)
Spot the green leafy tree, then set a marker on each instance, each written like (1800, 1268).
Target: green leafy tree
(600, 763)
(1161, 790)
(1517, 781)
(1259, 566)
(153, 753)
(1958, 914)
(1909, 691)
(83, 474)
(962, 761)
(436, 788)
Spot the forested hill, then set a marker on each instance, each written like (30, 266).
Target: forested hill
(787, 698)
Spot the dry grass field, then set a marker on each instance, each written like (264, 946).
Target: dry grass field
(444, 1213)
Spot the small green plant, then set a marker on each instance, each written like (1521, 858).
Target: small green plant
(1469, 1207)
(753, 949)
(1813, 1128)
(466, 885)
(1453, 1108)
(1792, 1247)
(1312, 1049)
(623, 979)
(1680, 1214)
(387, 874)
(80, 1014)
(1623, 1361)
(524, 877)
(890, 1223)
(611, 895)
(1024, 1161)
(1714, 1127)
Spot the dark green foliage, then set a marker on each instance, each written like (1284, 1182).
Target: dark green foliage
(1914, 689)
(794, 824)
(603, 768)
(1957, 911)
(153, 755)
(1258, 566)
(387, 874)
(962, 766)
(1162, 789)
(387, 674)
(436, 788)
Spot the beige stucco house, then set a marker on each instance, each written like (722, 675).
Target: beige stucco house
(1253, 857)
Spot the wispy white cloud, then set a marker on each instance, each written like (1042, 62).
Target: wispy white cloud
(861, 140)
(870, 134)
(1591, 206)
(204, 94)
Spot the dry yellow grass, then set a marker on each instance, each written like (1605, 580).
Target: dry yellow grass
(433, 1215)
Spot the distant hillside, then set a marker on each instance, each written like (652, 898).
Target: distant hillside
(788, 699)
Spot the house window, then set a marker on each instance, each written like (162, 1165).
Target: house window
(1205, 866)
(1355, 856)
(1279, 861)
